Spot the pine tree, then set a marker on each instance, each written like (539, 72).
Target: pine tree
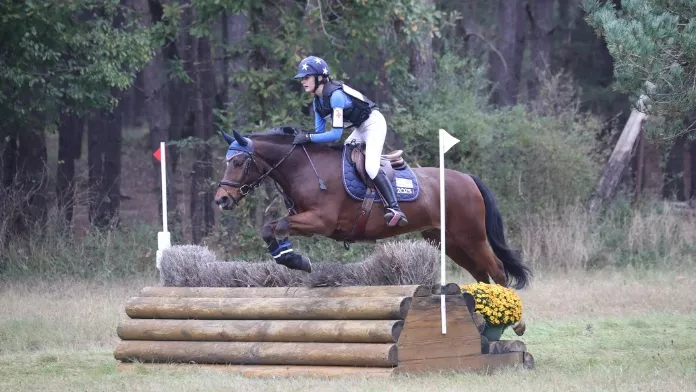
(653, 43)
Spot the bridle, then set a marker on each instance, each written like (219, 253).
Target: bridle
(245, 189)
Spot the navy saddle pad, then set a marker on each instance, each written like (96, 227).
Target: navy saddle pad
(405, 183)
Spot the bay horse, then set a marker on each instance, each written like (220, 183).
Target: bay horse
(475, 237)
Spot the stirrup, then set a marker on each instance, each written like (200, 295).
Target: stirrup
(395, 217)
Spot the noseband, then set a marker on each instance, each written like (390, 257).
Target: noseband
(245, 189)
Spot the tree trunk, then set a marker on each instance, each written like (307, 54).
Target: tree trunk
(688, 175)
(653, 177)
(567, 13)
(234, 32)
(201, 195)
(540, 14)
(70, 134)
(9, 161)
(30, 182)
(674, 186)
(693, 170)
(614, 168)
(104, 137)
(154, 84)
(506, 63)
(420, 53)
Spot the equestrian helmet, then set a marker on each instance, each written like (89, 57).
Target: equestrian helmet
(312, 65)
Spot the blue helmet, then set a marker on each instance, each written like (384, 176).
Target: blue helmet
(312, 65)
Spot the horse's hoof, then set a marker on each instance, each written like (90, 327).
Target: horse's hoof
(305, 264)
(296, 262)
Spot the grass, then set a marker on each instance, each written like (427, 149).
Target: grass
(620, 330)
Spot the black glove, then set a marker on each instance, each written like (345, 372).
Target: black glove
(301, 138)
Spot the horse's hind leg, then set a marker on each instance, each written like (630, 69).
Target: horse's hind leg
(482, 253)
(457, 254)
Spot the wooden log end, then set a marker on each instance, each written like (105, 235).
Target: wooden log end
(528, 361)
(404, 307)
(450, 289)
(485, 345)
(479, 321)
(519, 327)
(507, 346)
(397, 328)
(470, 302)
(424, 291)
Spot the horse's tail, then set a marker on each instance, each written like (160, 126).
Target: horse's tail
(512, 263)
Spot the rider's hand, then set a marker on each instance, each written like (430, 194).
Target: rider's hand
(301, 138)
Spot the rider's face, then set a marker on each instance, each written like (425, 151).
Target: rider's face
(309, 84)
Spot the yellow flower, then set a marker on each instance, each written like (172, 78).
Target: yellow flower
(498, 305)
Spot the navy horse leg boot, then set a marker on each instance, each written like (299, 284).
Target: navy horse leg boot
(283, 254)
(393, 214)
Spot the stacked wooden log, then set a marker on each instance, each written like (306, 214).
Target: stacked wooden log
(376, 330)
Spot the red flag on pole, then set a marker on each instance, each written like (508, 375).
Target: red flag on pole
(158, 154)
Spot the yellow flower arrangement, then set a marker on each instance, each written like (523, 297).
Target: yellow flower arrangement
(497, 304)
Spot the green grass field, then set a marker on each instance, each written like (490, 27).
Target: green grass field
(608, 331)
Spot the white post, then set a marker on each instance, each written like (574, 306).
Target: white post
(443, 282)
(163, 237)
(163, 170)
(446, 142)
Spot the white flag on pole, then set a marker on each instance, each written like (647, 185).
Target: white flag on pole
(447, 141)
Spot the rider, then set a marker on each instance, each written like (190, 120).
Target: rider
(331, 97)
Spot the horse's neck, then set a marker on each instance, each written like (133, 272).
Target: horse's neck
(297, 165)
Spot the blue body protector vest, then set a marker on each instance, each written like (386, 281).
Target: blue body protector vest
(356, 115)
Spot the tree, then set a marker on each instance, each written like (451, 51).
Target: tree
(653, 43)
(63, 56)
(540, 13)
(59, 60)
(506, 64)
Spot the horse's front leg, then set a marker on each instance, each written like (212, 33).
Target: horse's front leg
(305, 224)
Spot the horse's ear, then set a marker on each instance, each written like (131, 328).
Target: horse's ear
(239, 138)
(229, 139)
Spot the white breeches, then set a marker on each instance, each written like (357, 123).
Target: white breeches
(373, 132)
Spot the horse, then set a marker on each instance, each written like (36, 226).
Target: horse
(475, 238)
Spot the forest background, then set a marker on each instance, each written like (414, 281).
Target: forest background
(537, 91)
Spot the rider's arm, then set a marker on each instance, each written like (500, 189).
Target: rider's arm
(339, 101)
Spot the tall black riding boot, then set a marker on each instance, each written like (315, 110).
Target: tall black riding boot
(393, 215)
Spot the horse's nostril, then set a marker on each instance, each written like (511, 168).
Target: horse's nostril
(221, 201)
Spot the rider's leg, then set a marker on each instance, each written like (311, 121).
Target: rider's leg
(374, 132)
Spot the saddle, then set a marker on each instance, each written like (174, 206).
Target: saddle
(388, 162)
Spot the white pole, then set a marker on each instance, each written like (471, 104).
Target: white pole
(442, 234)
(163, 237)
(163, 169)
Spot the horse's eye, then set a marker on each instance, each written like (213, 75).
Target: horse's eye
(237, 163)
